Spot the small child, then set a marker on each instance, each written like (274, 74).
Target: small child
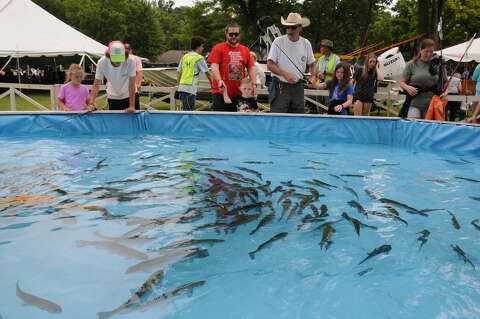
(73, 96)
(245, 102)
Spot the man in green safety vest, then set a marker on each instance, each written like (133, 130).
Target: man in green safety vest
(327, 62)
(188, 71)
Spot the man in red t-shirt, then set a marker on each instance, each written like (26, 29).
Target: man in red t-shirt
(228, 62)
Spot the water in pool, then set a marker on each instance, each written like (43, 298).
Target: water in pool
(156, 227)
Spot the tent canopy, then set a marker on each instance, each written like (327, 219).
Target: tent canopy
(455, 53)
(29, 30)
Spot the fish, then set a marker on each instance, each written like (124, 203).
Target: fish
(392, 210)
(468, 179)
(358, 207)
(384, 164)
(475, 223)
(135, 239)
(257, 162)
(462, 255)
(327, 234)
(323, 184)
(312, 168)
(246, 208)
(392, 216)
(167, 259)
(286, 194)
(293, 211)
(423, 239)
(474, 198)
(352, 175)
(212, 159)
(356, 223)
(188, 242)
(89, 208)
(351, 190)
(163, 297)
(395, 203)
(265, 220)
(307, 219)
(210, 225)
(439, 181)
(455, 223)
(323, 210)
(100, 164)
(286, 204)
(31, 300)
(240, 220)
(372, 194)
(416, 212)
(25, 198)
(113, 247)
(363, 272)
(267, 243)
(338, 177)
(153, 280)
(150, 156)
(318, 162)
(251, 171)
(324, 153)
(275, 190)
(463, 162)
(314, 210)
(379, 250)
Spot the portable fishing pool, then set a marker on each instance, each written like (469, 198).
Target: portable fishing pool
(203, 215)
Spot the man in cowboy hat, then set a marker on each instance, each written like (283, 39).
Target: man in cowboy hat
(288, 59)
(327, 62)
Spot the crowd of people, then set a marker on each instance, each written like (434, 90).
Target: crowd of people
(234, 77)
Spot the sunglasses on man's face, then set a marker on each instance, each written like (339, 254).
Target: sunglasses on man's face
(233, 34)
(292, 27)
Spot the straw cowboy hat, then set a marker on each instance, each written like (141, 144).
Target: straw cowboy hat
(295, 19)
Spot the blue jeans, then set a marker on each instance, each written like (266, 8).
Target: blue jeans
(188, 101)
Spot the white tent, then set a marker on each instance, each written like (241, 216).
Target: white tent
(29, 30)
(455, 53)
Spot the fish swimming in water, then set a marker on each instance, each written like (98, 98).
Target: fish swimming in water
(251, 171)
(150, 156)
(188, 242)
(89, 208)
(328, 232)
(455, 223)
(286, 204)
(293, 211)
(372, 194)
(475, 223)
(384, 164)
(323, 210)
(31, 300)
(240, 220)
(352, 175)
(462, 255)
(356, 223)
(338, 177)
(475, 198)
(366, 271)
(379, 250)
(169, 258)
(114, 247)
(424, 238)
(135, 239)
(395, 203)
(392, 216)
(267, 243)
(318, 162)
(212, 159)
(351, 190)
(163, 297)
(265, 220)
(286, 194)
(257, 162)
(153, 280)
(25, 198)
(358, 207)
(467, 179)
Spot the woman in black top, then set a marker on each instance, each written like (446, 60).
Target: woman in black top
(365, 79)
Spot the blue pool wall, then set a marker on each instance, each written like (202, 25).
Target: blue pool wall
(439, 136)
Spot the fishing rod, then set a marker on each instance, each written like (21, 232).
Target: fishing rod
(301, 72)
(71, 118)
(397, 44)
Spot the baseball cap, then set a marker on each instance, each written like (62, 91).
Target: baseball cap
(116, 50)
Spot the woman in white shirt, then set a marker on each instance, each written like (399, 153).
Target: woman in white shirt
(454, 88)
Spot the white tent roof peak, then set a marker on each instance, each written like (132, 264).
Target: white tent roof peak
(455, 52)
(29, 30)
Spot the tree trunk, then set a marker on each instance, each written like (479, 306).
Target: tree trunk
(423, 17)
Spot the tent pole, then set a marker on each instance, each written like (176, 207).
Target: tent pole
(18, 70)
(5, 65)
(82, 62)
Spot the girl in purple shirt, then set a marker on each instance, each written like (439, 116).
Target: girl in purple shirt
(73, 96)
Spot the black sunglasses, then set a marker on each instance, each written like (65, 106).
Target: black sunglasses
(233, 34)
(293, 27)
